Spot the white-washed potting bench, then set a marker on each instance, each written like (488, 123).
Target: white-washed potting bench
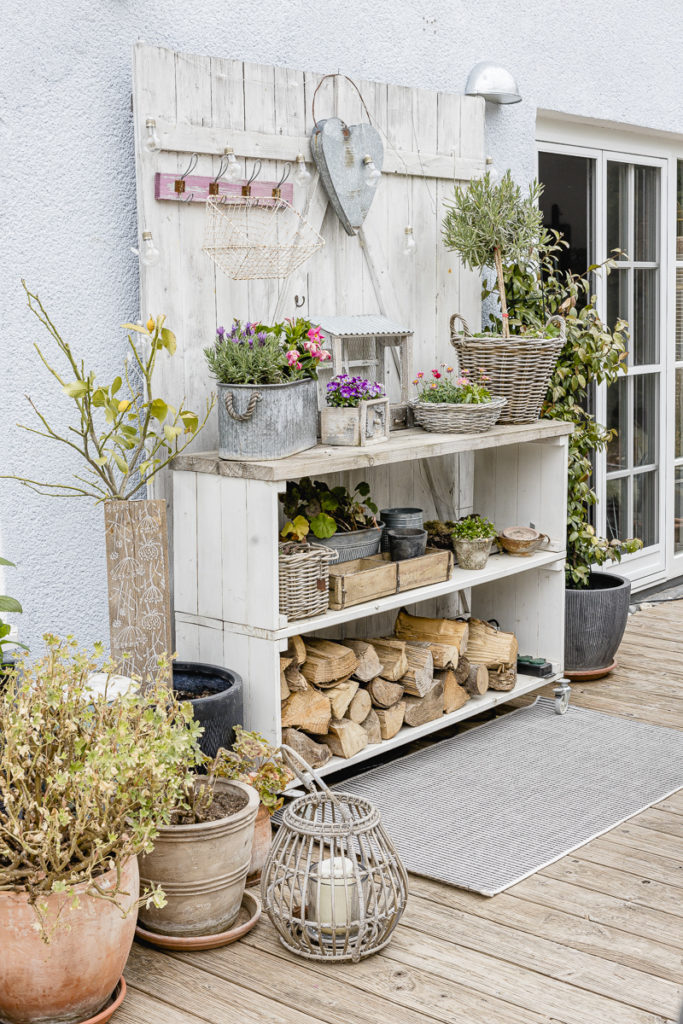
(226, 525)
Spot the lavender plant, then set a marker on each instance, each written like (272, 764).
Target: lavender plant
(260, 354)
(349, 392)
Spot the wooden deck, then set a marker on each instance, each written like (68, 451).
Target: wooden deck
(595, 938)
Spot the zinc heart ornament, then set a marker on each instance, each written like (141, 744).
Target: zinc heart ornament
(340, 151)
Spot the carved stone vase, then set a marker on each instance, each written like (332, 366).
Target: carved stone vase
(138, 581)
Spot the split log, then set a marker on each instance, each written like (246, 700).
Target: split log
(392, 655)
(444, 655)
(309, 710)
(503, 677)
(296, 649)
(462, 671)
(333, 682)
(420, 675)
(454, 695)
(295, 680)
(360, 707)
(327, 662)
(426, 708)
(440, 631)
(369, 664)
(346, 738)
(490, 646)
(285, 662)
(477, 681)
(316, 754)
(371, 726)
(391, 719)
(383, 693)
(340, 696)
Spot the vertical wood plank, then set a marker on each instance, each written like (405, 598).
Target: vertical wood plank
(209, 546)
(185, 542)
(234, 568)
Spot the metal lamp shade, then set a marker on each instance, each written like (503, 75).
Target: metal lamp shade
(492, 82)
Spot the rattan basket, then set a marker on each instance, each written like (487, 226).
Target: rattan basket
(519, 368)
(448, 418)
(304, 576)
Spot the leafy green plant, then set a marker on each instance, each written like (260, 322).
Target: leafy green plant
(324, 509)
(443, 388)
(262, 354)
(11, 605)
(85, 783)
(494, 225)
(473, 527)
(593, 353)
(124, 435)
(253, 760)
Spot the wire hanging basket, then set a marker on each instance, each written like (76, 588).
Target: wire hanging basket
(251, 238)
(333, 885)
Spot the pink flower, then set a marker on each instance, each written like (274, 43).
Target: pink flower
(461, 382)
(315, 350)
(315, 335)
(420, 375)
(292, 357)
(307, 345)
(436, 375)
(449, 369)
(432, 385)
(324, 355)
(298, 366)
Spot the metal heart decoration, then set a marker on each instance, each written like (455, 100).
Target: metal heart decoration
(338, 150)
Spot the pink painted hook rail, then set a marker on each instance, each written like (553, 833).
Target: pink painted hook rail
(196, 186)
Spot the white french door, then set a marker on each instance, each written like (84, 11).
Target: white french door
(606, 200)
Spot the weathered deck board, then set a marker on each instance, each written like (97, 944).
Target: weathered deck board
(595, 938)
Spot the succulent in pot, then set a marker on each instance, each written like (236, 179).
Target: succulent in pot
(472, 537)
(356, 412)
(341, 519)
(267, 392)
(86, 782)
(450, 402)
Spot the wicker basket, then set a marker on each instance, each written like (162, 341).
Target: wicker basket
(518, 368)
(304, 573)
(448, 418)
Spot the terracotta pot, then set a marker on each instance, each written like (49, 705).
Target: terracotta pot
(202, 869)
(71, 978)
(263, 838)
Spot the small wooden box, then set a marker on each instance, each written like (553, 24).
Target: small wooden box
(365, 579)
(366, 423)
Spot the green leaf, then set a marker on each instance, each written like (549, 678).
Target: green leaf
(120, 462)
(168, 340)
(101, 462)
(9, 604)
(6, 561)
(99, 397)
(158, 409)
(190, 421)
(135, 327)
(323, 526)
(171, 433)
(116, 385)
(76, 389)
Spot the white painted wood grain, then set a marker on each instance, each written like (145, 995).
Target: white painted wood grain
(185, 542)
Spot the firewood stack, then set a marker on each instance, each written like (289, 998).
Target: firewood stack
(339, 696)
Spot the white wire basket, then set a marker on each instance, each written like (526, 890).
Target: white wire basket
(251, 238)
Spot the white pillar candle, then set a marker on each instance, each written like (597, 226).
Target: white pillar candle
(333, 895)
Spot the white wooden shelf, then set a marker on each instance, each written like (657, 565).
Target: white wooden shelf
(474, 706)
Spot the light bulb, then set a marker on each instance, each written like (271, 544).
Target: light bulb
(409, 243)
(152, 142)
(148, 252)
(302, 175)
(233, 171)
(371, 172)
(492, 172)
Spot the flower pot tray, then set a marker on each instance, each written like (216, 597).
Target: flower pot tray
(364, 579)
(248, 918)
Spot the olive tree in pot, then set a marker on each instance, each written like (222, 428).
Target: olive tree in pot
(597, 603)
(124, 436)
(86, 782)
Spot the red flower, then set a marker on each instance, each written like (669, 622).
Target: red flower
(436, 374)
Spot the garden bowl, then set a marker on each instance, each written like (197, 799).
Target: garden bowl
(522, 540)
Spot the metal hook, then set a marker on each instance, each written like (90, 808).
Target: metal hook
(299, 301)
(214, 186)
(188, 199)
(277, 191)
(179, 185)
(246, 189)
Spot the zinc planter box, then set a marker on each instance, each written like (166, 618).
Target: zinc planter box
(365, 423)
(266, 421)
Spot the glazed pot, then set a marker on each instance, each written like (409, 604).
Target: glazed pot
(263, 838)
(72, 977)
(472, 554)
(595, 620)
(220, 711)
(406, 543)
(202, 868)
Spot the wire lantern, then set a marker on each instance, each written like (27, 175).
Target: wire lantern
(333, 885)
(250, 237)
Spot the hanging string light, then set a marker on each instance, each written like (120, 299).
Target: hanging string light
(302, 175)
(151, 142)
(148, 254)
(409, 243)
(371, 171)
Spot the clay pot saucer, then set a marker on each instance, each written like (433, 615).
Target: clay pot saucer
(118, 995)
(589, 675)
(521, 540)
(248, 917)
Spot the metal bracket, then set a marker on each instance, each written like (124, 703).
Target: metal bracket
(563, 692)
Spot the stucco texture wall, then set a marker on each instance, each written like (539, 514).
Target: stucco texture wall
(68, 196)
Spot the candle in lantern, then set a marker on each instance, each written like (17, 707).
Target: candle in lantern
(334, 903)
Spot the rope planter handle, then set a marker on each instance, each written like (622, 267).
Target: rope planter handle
(242, 417)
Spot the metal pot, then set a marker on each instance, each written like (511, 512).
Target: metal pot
(400, 518)
(595, 620)
(266, 421)
(352, 544)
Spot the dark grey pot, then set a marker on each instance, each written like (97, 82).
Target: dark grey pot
(406, 543)
(595, 620)
(219, 713)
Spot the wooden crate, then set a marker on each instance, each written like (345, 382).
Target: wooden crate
(365, 579)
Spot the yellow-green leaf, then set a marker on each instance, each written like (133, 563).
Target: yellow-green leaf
(158, 409)
(101, 462)
(116, 385)
(99, 397)
(171, 433)
(120, 462)
(135, 327)
(168, 340)
(76, 389)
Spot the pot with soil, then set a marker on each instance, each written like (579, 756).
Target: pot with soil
(595, 620)
(202, 864)
(216, 697)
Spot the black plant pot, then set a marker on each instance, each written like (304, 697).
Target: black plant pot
(218, 713)
(595, 620)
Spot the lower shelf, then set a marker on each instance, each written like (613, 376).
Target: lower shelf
(474, 706)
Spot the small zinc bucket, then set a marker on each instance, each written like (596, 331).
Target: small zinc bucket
(266, 421)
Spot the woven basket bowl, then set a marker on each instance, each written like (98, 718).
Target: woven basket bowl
(518, 368)
(304, 577)
(447, 418)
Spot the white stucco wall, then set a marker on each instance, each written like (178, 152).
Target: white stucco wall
(67, 177)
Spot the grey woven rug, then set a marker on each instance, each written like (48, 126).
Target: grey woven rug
(488, 808)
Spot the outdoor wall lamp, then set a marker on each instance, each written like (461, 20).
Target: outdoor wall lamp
(492, 82)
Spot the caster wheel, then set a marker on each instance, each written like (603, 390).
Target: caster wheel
(562, 695)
